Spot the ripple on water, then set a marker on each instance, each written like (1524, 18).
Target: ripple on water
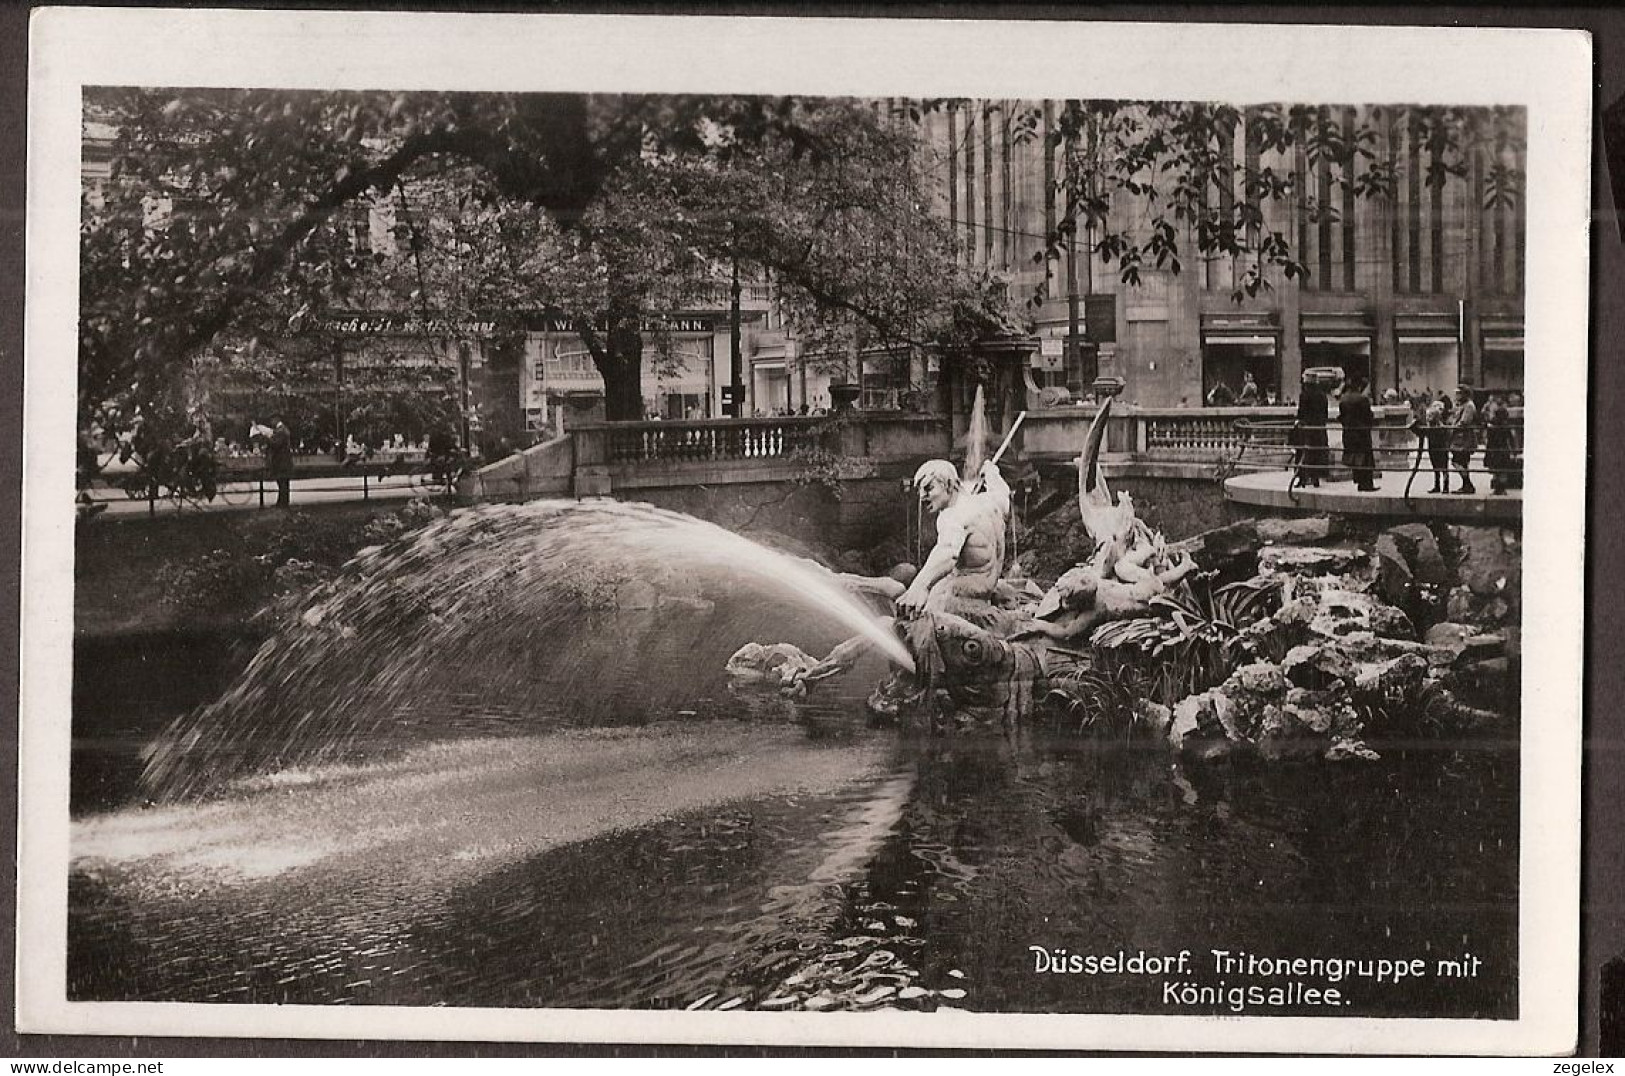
(918, 888)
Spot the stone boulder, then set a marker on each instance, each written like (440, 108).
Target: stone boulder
(1258, 709)
(773, 666)
(1317, 666)
(1487, 576)
(1383, 684)
(1421, 552)
(1341, 612)
(1272, 531)
(1395, 580)
(1308, 560)
(1231, 550)
(1464, 640)
(1489, 560)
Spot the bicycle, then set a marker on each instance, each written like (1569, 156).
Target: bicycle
(185, 475)
(446, 469)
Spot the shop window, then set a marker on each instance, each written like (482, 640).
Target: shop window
(771, 392)
(1226, 363)
(1430, 365)
(884, 380)
(685, 405)
(1502, 366)
(1351, 355)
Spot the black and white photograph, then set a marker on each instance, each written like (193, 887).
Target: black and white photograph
(803, 531)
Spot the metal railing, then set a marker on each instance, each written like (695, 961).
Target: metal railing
(252, 486)
(1496, 455)
(710, 439)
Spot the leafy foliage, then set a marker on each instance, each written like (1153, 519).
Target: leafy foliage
(228, 212)
(1177, 165)
(1194, 638)
(1097, 695)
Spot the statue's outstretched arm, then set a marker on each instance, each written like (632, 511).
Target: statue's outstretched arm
(951, 535)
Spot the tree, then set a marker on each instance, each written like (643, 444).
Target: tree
(221, 211)
(1176, 164)
(857, 258)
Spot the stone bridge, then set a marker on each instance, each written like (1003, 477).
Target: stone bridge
(616, 459)
(735, 470)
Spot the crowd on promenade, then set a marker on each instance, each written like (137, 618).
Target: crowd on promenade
(1452, 428)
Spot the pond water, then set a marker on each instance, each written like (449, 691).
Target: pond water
(707, 854)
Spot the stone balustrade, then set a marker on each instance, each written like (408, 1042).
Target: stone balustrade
(1182, 442)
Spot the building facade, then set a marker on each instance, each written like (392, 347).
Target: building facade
(1419, 288)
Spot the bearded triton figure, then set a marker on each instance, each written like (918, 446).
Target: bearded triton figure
(971, 519)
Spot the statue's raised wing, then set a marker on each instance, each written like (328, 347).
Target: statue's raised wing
(1107, 521)
(1091, 483)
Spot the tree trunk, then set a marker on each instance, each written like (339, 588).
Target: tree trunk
(623, 372)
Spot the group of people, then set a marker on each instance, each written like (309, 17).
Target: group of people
(1251, 395)
(1451, 434)
(1450, 430)
(1313, 455)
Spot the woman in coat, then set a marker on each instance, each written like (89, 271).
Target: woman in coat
(1314, 457)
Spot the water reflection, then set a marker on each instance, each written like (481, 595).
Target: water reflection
(922, 885)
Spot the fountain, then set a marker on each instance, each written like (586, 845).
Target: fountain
(1273, 653)
(546, 609)
(723, 861)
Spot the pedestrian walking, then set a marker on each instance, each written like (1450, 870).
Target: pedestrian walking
(197, 455)
(279, 461)
(1464, 437)
(1355, 415)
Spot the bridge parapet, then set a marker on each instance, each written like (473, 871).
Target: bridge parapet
(619, 443)
(601, 457)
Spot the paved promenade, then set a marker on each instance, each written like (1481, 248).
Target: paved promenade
(1268, 489)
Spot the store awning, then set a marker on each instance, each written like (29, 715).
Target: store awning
(1324, 338)
(1236, 338)
(1240, 329)
(1429, 326)
(1336, 327)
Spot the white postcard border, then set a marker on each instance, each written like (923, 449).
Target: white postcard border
(1546, 71)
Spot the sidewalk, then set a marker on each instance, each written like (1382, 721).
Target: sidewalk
(246, 496)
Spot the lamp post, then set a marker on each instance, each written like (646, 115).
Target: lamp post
(338, 400)
(736, 362)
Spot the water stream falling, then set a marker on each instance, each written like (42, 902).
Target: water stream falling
(976, 436)
(585, 611)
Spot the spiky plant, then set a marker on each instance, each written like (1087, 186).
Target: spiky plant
(1193, 634)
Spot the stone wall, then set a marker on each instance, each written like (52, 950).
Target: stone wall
(809, 518)
(1178, 507)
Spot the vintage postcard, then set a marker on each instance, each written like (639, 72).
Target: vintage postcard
(803, 531)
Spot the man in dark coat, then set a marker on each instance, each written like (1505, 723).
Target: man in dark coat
(279, 461)
(1357, 419)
